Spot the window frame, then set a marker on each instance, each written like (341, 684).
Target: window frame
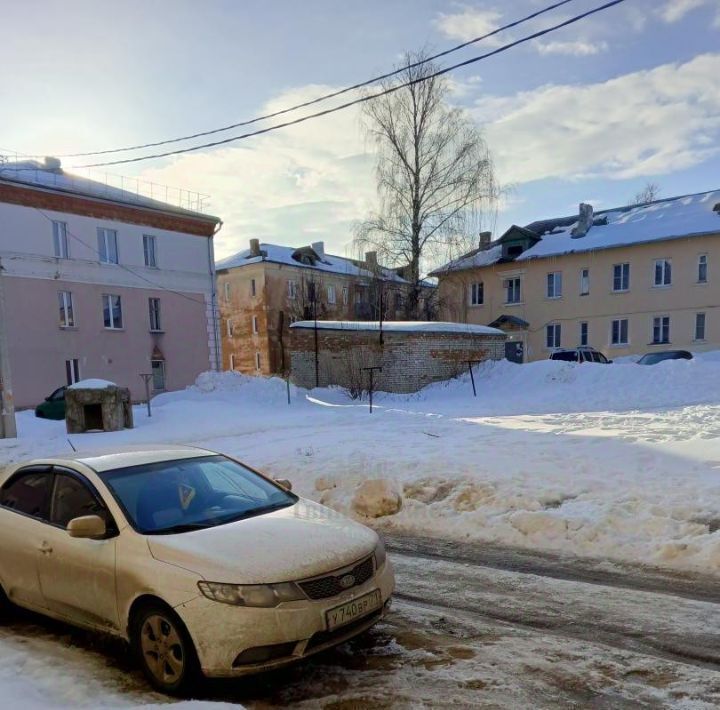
(61, 249)
(702, 269)
(226, 288)
(665, 273)
(72, 367)
(477, 294)
(28, 471)
(585, 281)
(292, 289)
(624, 277)
(556, 330)
(150, 239)
(67, 309)
(164, 375)
(154, 314)
(111, 527)
(553, 285)
(257, 361)
(620, 343)
(253, 288)
(345, 295)
(584, 333)
(704, 327)
(331, 295)
(229, 327)
(113, 326)
(104, 242)
(661, 325)
(509, 285)
(254, 323)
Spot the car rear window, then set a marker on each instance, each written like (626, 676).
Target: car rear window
(566, 355)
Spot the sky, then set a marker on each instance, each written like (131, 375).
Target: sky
(590, 113)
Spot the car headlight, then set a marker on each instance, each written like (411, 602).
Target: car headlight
(259, 595)
(380, 554)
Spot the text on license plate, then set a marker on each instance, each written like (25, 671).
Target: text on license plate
(354, 609)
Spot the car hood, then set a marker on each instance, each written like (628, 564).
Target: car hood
(300, 541)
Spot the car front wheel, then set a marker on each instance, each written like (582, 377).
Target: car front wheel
(165, 650)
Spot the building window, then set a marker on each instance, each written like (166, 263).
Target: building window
(699, 326)
(292, 290)
(619, 332)
(554, 284)
(621, 277)
(663, 272)
(229, 327)
(154, 307)
(112, 311)
(107, 246)
(477, 294)
(346, 295)
(60, 241)
(702, 268)
(255, 325)
(150, 251)
(257, 361)
(661, 330)
(584, 282)
(72, 371)
(253, 288)
(311, 292)
(226, 287)
(553, 335)
(232, 361)
(583, 333)
(331, 295)
(67, 312)
(512, 290)
(157, 367)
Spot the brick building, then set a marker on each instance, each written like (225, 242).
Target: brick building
(411, 354)
(265, 288)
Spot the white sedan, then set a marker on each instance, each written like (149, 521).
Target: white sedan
(201, 563)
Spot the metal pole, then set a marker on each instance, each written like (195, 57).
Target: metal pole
(8, 428)
(287, 382)
(146, 379)
(317, 362)
(472, 377)
(371, 370)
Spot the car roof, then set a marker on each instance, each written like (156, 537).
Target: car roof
(109, 459)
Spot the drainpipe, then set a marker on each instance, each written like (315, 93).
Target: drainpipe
(213, 298)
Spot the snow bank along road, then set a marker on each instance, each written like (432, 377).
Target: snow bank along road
(461, 633)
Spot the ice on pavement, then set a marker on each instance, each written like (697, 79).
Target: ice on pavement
(620, 462)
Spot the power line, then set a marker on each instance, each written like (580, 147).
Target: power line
(325, 97)
(123, 266)
(362, 99)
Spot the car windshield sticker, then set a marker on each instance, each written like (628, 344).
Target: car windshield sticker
(186, 493)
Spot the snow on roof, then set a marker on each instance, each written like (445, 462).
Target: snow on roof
(660, 220)
(92, 384)
(279, 254)
(400, 326)
(671, 218)
(50, 175)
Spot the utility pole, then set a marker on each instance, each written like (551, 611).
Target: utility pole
(8, 429)
(472, 377)
(371, 371)
(146, 377)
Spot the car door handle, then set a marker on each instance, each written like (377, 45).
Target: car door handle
(45, 548)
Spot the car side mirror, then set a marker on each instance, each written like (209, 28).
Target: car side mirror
(89, 527)
(284, 483)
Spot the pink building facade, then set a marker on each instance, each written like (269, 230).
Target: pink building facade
(101, 283)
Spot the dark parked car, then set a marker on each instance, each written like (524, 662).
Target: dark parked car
(655, 358)
(583, 354)
(53, 407)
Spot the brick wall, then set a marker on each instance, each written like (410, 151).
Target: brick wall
(410, 360)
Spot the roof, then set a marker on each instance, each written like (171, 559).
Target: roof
(50, 176)
(399, 326)
(329, 263)
(510, 320)
(131, 456)
(671, 218)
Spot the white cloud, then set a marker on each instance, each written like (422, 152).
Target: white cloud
(468, 24)
(675, 10)
(576, 49)
(296, 185)
(644, 123)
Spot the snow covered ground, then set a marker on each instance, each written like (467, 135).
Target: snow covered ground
(619, 462)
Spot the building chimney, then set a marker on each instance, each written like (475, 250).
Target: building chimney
(52, 164)
(319, 249)
(255, 247)
(585, 221)
(485, 238)
(371, 259)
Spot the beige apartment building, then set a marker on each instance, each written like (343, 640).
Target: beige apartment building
(625, 281)
(265, 288)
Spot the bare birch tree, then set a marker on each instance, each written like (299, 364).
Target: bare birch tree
(434, 173)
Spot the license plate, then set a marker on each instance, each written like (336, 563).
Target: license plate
(354, 609)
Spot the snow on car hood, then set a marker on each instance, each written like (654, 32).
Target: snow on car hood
(300, 541)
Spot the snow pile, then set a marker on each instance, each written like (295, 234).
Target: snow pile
(376, 498)
(92, 384)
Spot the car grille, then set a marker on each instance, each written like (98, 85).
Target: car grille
(329, 586)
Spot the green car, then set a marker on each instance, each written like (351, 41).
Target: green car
(53, 407)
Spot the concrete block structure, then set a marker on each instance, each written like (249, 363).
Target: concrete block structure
(411, 354)
(97, 406)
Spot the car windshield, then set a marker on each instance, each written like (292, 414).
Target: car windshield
(654, 358)
(192, 493)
